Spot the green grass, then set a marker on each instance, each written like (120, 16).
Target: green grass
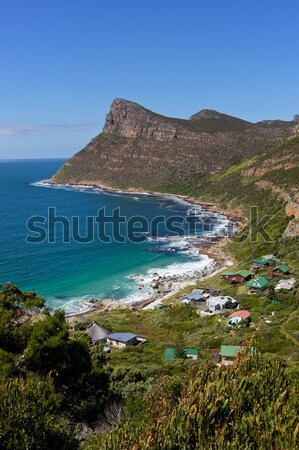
(230, 170)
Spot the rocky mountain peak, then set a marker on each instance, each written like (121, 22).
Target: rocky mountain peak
(207, 114)
(132, 120)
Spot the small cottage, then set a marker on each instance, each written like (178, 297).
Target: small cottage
(260, 263)
(258, 284)
(191, 353)
(121, 340)
(241, 277)
(239, 318)
(229, 353)
(194, 297)
(97, 334)
(286, 284)
(281, 270)
(227, 275)
(273, 260)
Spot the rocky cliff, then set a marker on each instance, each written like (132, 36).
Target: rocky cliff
(139, 149)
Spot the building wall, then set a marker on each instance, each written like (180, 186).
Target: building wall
(116, 344)
(119, 345)
(226, 361)
(234, 320)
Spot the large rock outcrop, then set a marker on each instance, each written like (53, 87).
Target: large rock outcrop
(139, 149)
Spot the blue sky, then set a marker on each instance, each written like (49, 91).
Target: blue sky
(63, 62)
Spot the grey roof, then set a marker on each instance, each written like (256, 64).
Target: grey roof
(194, 296)
(198, 291)
(96, 332)
(221, 300)
(121, 337)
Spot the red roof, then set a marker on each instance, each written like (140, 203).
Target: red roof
(243, 314)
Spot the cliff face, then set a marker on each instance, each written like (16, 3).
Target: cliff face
(132, 121)
(139, 149)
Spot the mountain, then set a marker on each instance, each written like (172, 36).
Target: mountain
(141, 150)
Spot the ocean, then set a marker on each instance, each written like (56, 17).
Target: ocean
(69, 274)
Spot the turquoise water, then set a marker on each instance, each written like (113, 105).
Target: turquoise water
(66, 273)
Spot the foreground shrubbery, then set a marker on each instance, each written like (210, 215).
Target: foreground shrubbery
(29, 416)
(49, 382)
(251, 405)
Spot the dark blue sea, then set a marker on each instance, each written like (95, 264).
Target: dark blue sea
(69, 274)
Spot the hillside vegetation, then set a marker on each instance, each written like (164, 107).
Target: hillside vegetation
(251, 405)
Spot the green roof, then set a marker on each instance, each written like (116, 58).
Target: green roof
(261, 261)
(258, 283)
(244, 273)
(272, 258)
(283, 268)
(229, 351)
(169, 353)
(192, 351)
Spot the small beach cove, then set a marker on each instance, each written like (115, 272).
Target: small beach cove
(158, 285)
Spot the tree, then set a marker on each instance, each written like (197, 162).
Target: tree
(180, 347)
(51, 349)
(12, 298)
(29, 416)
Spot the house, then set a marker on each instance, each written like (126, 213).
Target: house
(237, 318)
(258, 284)
(260, 263)
(121, 340)
(97, 334)
(206, 292)
(198, 291)
(214, 304)
(191, 353)
(194, 297)
(272, 259)
(286, 284)
(229, 353)
(227, 275)
(241, 276)
(281, 270)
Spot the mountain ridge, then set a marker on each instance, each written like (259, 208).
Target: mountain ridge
(140, 149)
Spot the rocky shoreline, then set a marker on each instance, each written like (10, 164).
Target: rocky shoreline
(232, 214)
(164, 287)
(161, 287)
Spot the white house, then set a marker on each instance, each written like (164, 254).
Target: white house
(221, 302)
(121, 340)
(287, 284)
